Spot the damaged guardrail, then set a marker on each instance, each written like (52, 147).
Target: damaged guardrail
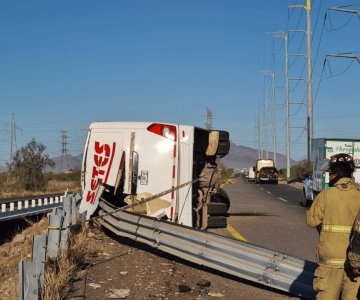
(31, 273)
(17, 208)
(237, 258)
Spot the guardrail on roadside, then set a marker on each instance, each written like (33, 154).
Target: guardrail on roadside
(15, 208)
(31, 273)
(246, 261)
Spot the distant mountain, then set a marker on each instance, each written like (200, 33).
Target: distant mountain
(244, 157)
(65, 163)
(238, 157)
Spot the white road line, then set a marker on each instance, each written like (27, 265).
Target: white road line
(269, 192)
(261, 189)
(283, 200)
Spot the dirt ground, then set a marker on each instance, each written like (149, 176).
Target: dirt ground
(123, 269)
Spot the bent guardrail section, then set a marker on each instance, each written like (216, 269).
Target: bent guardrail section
(246, 261)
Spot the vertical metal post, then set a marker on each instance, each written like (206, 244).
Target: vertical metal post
(273, 114)
(309, 80)
(286, 36)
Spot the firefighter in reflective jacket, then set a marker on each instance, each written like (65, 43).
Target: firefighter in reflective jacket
(333, 212)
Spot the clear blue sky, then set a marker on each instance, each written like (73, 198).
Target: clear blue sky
(65, 64)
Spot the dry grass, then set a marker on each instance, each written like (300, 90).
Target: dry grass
(10, 255)
(60, 272)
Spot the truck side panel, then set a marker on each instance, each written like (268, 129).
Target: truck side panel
(150, 165)
(103, 154)
(184, 209)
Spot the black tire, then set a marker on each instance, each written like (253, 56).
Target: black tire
(221, 197)
(217, 209)
(224, 143)
(217, 222)
(305, 202)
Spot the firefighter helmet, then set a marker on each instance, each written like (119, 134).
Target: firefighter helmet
(341, 164)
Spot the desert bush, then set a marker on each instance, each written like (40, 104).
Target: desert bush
(27, 166)
(301, 170)
(226, 173)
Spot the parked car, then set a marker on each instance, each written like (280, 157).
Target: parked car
(308, 192)
(268, 175)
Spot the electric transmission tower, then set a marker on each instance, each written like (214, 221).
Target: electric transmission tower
(64, 151)
(209, 118)
(13, 129)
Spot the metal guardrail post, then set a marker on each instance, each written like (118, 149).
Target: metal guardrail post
(64, 233)
(53, 241)
(28, 281)
(31, 274)
(39, 254)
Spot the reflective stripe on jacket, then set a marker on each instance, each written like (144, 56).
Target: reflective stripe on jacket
(335, 209)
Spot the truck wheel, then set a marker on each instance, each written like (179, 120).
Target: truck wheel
(221, 197)
(224, 143)
(217, 209)
(217, 222)
(305, 202)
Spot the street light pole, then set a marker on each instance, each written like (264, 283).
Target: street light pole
(310, 130)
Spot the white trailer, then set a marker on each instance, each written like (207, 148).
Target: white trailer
(125, 162)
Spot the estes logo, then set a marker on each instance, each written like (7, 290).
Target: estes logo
(103, 157)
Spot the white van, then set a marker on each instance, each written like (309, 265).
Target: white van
(251, 174)
(127, 161)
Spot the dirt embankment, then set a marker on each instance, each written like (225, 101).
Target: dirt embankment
(119, 268)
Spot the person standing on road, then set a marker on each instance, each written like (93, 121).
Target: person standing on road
(333, 212)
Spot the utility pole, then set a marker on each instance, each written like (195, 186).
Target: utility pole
(273, 105)
(13, 148)
(309, 85)
(285, 36)
(209, 118)
(273, 113)
(258, 126)
(310, 130)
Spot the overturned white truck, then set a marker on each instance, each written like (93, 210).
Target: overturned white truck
(127, 162)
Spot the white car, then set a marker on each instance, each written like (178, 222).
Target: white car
(308, 194)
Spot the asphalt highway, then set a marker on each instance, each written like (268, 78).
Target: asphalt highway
(270, 216)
